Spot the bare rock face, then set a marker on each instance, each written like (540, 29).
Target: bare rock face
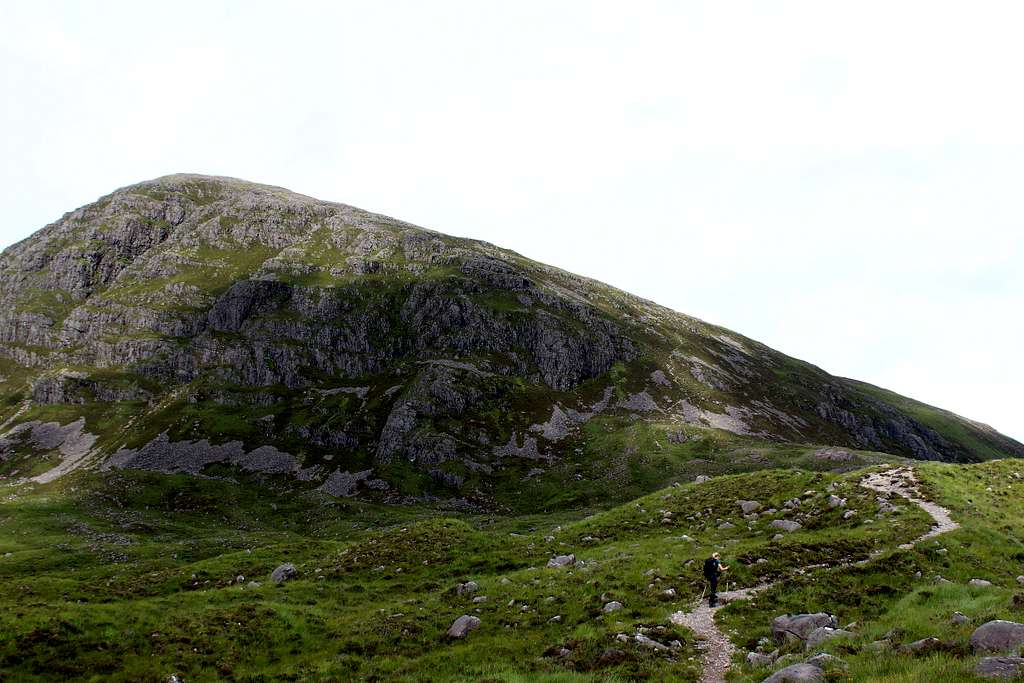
(344, 341)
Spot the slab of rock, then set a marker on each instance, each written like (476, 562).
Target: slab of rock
(820, 635)
(286, 572)
(997, 636)
(797, 673)
(786, 524)
(789, 628)
(1005, 668)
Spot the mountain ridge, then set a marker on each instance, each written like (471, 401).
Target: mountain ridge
(375, 356)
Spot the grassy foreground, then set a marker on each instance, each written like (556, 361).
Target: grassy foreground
(135, 577)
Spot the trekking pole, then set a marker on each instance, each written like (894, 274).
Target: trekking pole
(703, 590)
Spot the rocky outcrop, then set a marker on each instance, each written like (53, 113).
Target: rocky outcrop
(469, 357)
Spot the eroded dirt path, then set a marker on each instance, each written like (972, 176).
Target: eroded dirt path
(719, 650)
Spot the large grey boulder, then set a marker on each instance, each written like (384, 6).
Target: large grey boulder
(786, 524)
(997, 636)
(797, 627)
(286, 572)
(1005, 668)
(822, 634)
(463, 625)
(797, 673)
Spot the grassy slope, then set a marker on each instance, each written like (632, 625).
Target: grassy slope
(132, 578)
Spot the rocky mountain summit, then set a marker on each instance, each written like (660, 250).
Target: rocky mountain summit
(213, 326)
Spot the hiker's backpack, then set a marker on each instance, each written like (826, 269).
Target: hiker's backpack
(710, 568)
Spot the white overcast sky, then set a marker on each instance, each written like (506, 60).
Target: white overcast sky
(843, 181)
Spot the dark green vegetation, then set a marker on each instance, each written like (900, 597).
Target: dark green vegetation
(134, 576)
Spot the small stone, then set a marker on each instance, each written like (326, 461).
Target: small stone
(786, 525)
(958, 618)
(758, 660)
(984, 583)
(253, 584)
(726, 525)
(612, 606)
(611, 657)
(479, 599)
(701, 479)
(468, 587)
(749, 506)
(835, 501)
(557, 619)
(849, 514)
(562, 561)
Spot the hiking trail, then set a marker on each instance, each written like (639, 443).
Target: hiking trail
(719, 650)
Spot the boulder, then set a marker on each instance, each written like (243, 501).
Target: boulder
(785, 524)
(819, 635)
(286, 572)
(997, 636)
(463, 625)
(1004, 668)
(925, 646)
(797, 673)
(612, 606)
(758, 660)
(789, 628)
(825, 661)
(562, 561)
(749, 506)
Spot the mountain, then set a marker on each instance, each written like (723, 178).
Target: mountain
(221, 328)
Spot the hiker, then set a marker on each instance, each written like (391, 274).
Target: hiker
(713, 568)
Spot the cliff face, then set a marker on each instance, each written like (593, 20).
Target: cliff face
(190, 309)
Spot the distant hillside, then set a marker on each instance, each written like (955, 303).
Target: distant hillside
(219, 327)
